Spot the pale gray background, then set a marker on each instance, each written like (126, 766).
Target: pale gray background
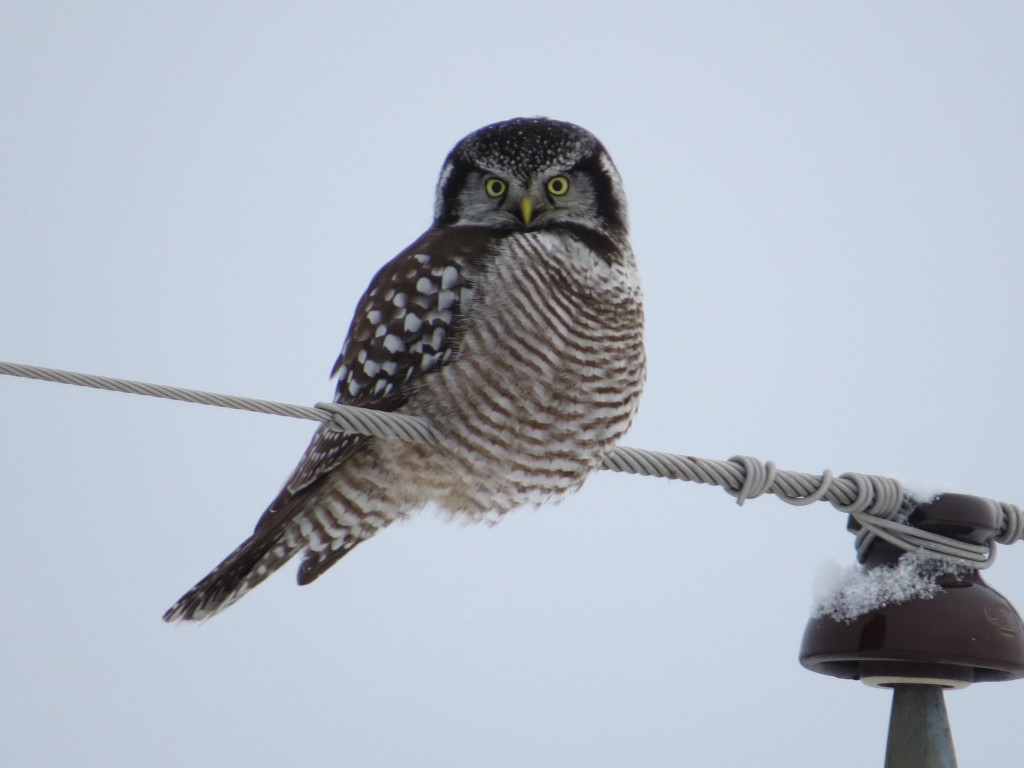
(827, 208)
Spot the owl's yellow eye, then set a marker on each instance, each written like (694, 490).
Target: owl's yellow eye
(495, 187)
(558, 186)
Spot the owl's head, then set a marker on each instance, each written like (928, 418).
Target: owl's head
(531, 173)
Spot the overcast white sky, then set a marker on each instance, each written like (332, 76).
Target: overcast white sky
(828, 209)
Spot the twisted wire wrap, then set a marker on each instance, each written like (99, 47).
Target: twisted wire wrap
(365, 421)
(879, 504)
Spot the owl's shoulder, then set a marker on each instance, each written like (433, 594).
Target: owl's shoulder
(405, 323)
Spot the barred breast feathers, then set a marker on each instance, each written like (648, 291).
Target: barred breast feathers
(547, 377)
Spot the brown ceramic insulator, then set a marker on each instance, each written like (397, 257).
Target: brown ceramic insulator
(966, 633)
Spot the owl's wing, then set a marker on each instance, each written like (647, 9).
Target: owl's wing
(406, 325)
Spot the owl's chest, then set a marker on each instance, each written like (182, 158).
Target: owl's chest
(544, 377)
(548, 300)
(552, 329)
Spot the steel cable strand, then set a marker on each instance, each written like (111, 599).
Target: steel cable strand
(877, 503)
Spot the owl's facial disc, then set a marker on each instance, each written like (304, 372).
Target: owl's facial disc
(544, 198)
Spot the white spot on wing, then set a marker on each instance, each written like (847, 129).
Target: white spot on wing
(449, 277)
(438, 338)
(393, 344)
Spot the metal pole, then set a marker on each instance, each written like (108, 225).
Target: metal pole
(919, 735)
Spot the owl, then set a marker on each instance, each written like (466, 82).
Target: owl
(513, 326)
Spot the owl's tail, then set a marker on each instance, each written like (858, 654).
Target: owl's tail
(312, 513)
(254, 560)
(288, 526)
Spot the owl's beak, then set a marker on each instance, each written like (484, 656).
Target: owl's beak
(526, 206)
